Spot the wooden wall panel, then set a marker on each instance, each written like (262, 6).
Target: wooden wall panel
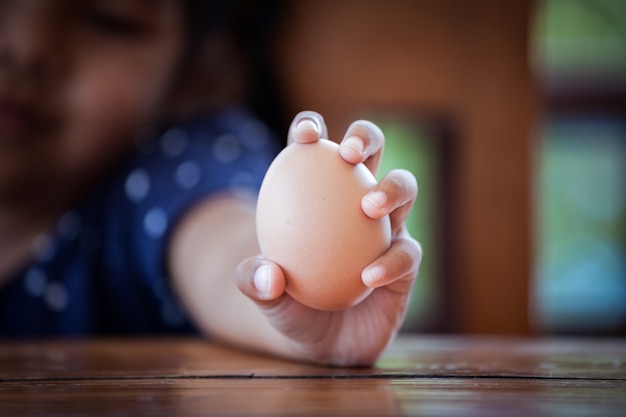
(465, 61)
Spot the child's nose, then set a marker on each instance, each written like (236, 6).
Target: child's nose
(29, 40)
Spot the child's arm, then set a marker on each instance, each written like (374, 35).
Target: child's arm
(210, 243)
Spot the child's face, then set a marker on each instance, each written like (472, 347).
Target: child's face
(78, 79)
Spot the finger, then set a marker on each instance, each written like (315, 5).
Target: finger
(401, 261)
(363, 142)
(260, 279)
(395, 195)
(307, 127)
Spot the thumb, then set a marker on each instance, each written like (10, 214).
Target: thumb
(260, 279)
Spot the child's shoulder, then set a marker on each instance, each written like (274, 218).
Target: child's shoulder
(230, 150)
(118, 234)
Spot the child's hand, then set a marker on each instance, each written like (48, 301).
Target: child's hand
(356, 336)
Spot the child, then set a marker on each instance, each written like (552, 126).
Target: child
(106, 227)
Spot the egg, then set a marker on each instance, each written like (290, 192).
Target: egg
(310, 222)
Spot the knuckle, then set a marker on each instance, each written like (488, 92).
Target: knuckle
(413, 253)
(369, 131)
(405, 180)
(397, 183)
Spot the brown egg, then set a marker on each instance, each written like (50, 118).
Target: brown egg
(310, 222)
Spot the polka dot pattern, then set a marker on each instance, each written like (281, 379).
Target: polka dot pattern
(56, 296)
(226, 149)
(137, 185)
(38, 285)
(187, 175)
(44, 247)
(118, 235)
(173, 142)
(35, 281)
(155, 222)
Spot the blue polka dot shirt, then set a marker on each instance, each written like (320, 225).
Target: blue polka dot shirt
(101, 269)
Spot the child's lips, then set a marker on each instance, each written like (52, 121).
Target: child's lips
(18, 122)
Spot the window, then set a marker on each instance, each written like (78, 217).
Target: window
(417, 144)
(580, 278)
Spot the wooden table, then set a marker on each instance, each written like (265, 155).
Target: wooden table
(419, 375)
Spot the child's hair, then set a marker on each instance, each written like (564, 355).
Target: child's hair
(203, 18)
(249, 26)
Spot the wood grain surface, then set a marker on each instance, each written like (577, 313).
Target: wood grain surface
(419, 375)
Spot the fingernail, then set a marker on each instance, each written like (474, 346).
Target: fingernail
(373, 276)
(377, 199)
(355, 143)
(262, 280)
(307, 124)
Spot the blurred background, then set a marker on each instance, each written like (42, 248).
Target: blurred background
(512, 116)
